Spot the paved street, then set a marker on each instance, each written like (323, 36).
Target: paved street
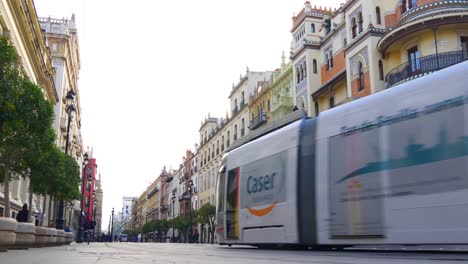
(118, 253)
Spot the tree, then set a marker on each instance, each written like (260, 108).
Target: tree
(25, 118)
(181, 224)
(207, 215)
(165, 225)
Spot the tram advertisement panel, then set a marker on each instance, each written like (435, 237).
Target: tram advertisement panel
(263, 184)
(415, 152)
(350, 214)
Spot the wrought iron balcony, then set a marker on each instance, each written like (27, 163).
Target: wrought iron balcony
(258, 121)
(423, 65)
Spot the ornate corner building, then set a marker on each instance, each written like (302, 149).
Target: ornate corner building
(367, 46)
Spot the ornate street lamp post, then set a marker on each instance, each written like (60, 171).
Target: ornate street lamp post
(190, 189)
(70, 109)
(79, 237)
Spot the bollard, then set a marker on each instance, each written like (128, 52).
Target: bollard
(40, 237)
(52, 237)
(7, 233)
(24, 236)
(68, 237)
(60, 237)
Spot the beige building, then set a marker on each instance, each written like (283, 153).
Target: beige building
(367, 46)
(20, 25)
(62, 40)
(98, 208)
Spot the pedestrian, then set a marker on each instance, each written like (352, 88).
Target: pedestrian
(196, 236)
(22, 216)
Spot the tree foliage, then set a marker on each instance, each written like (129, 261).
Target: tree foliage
(27, 137)
(206, 215)
(25, 118)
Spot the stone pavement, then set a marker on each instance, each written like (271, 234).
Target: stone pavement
(135, 253)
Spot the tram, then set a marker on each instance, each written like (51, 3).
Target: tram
(389, 168)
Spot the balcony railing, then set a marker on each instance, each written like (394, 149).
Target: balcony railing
(284, 101)
(235, 110)
(424, 65)
(258, 121)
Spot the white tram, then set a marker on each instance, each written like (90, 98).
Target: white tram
(390, 168)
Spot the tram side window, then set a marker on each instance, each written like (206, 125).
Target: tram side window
(231, 204)
(231, 190)
(221, 188)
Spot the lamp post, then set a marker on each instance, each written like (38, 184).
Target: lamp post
(70, 109)
(190, 189)
(112, 226)
(79, 237)
(173, 198)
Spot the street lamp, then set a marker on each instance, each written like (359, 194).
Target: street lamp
(70, 109)
(79, 237)
(190, 189)
(173, 198)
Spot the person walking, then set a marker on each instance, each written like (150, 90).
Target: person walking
(23, 215)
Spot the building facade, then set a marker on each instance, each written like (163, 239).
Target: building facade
(20, 25)
(98, 206)
(282, 90)
(367, 46)
(260, 105)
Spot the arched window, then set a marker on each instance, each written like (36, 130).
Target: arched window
(361, 76)
(312, 28)
(326, 61)
(377, 15)
(305, 69)
(331, 59)
(360, 21)
(353, 27)
(314, 66)
(381, 73)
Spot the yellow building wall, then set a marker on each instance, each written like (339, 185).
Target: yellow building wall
(447, 39)
(339, 92)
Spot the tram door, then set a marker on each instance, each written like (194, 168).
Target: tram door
(232, 204)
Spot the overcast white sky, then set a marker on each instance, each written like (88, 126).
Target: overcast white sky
(151, 70)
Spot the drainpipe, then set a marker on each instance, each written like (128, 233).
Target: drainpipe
(434, 29)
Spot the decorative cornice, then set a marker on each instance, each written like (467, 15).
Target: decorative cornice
(31, 34)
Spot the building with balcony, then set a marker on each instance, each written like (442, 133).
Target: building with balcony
(153, 200)
(260, 105)
(421, 37)
(20, 25)
(282, 90)
(364, 47)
